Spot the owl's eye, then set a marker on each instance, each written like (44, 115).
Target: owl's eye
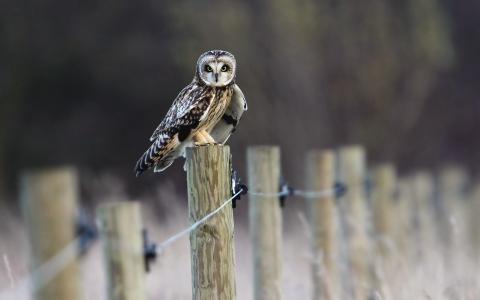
(208, 68)
(224, 68)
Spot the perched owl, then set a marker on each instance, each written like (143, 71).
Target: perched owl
(206, 111)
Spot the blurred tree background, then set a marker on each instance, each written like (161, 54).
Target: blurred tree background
(86, 82)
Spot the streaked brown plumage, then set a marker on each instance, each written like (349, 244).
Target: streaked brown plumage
(211, 104)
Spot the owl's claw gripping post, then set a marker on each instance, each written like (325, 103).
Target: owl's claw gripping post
(199, 139)
(203, 138)
(208, 137)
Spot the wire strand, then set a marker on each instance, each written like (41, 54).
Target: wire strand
(315, 194)
(283, 193)
(306, 194)
(50, 269)
(194, 226)
(43, 274)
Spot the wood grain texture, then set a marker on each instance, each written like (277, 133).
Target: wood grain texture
(265, 220)
(212, 244)
(49, 199)
(121, 232)
(320, 176)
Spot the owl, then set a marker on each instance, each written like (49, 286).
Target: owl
(206, 111)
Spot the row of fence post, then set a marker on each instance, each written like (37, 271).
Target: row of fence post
(399, 219)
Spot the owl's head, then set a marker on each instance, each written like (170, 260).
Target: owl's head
(216, 68)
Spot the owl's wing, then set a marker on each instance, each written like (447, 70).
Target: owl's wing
(186, 102)
(187, 111)
(226, 126)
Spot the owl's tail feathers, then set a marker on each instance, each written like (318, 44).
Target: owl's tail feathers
(160, 155)
(145, 162)
(174, 151)
(164, 163)
(140, 167)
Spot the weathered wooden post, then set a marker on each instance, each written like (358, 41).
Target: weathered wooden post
(403, 221)
(352, 171)
(121, 232)
(384, 178)
(423, 194)
(49, 199)
(452, 187)
(212, 243)
(320, 176)
(265, 221)
(474, 222)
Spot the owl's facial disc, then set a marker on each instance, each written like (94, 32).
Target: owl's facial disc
(217, 70)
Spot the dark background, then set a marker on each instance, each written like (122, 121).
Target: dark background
(87, 82)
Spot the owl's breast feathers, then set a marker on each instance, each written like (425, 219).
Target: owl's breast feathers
(196, 107)
(216, 109)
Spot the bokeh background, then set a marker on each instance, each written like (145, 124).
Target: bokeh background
(85, 83)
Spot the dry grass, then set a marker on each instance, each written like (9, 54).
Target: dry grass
(407, 276)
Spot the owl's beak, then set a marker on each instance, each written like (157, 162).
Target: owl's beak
(216, 77)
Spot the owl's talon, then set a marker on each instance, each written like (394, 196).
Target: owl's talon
(197, 144)
(208, 138)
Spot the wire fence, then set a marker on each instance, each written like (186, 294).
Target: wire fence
(372, 219)
(44, 274)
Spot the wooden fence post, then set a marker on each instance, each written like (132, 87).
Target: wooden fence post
(265, 221)
(49, 199)
(121, 231)
(474, 223)
(212, 243)
(422, 194)
(320, 176)
(452, 187)
(384, 178)
(352, 171)
(404, 221)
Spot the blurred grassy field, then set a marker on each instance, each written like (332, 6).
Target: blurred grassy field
(408, 278)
